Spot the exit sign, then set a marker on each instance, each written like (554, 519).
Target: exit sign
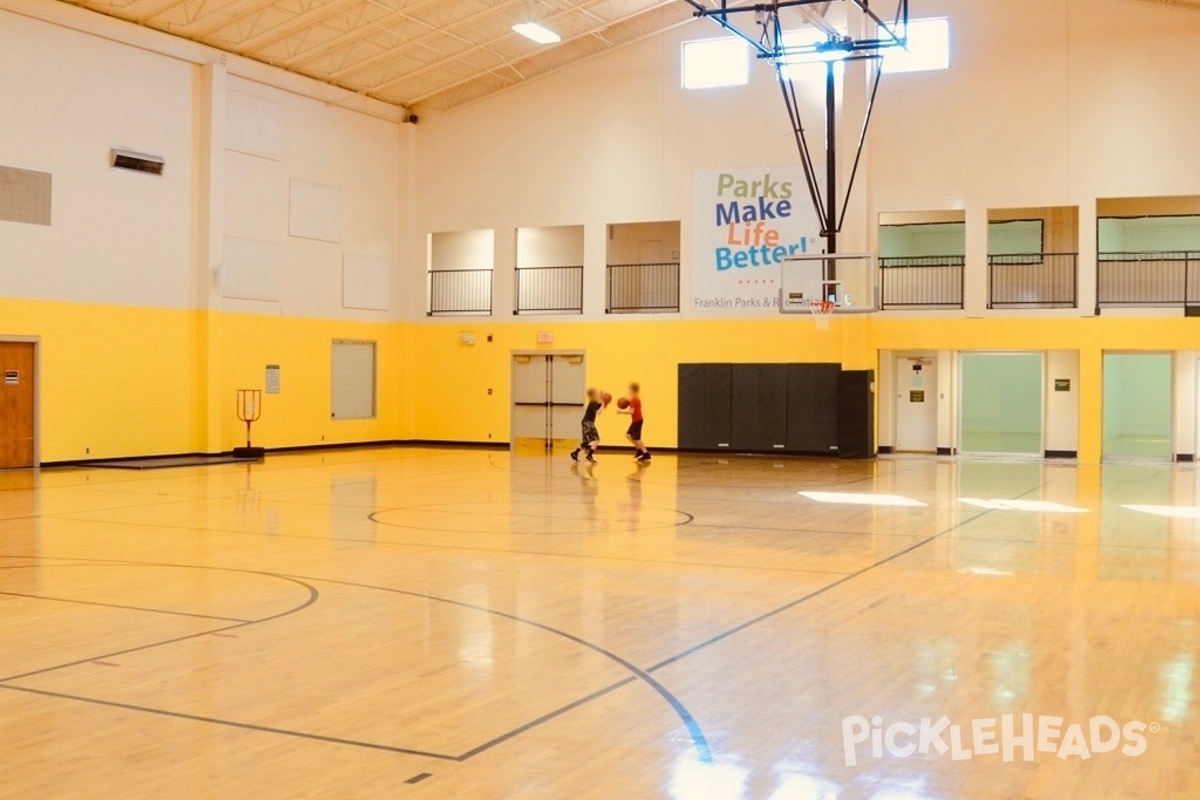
(545, 337)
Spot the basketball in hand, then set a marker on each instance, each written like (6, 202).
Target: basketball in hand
(623, 404)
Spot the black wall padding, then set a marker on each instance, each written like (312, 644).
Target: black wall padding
(777, 408)
(856, 412)
(760, 406)
(812, 408)
(705, 406)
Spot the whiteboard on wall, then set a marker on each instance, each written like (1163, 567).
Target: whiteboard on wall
(353, 380)
(251, 269)
(254, 126)
(315, 211)
(366, 282)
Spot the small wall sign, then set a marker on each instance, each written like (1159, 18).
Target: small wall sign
(12, 377)
(916, 396)
(272, 380)
(545, 337)
(1062, 384)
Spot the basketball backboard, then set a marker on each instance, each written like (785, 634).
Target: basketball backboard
(847, 280)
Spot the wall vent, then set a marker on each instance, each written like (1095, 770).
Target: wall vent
(136, 162)
(24, 196)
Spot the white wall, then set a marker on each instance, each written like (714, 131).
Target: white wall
(318, 144)
(611, 140)
(557, 246)
(1047, 103)
(74, 84)
(1062, 408)
(116, 236)
(643, 242)
(474, 249)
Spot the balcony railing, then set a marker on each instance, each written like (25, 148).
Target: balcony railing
(1033, 280)
(466, 292)
(921, 282)
(549, 290)
(1162, 280)
(643, 288)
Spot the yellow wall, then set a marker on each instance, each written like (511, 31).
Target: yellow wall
(123, 380)
(113, 380)
(448, 381)
(300, 413)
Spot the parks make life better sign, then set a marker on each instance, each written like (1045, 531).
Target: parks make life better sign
(747, 221)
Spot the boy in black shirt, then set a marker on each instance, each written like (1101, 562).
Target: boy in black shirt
(591, 436)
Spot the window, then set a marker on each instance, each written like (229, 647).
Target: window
(928, 48)
(712, 63)
(353, 380)
(1012, 237)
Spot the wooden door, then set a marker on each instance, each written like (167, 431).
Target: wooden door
(16, 404)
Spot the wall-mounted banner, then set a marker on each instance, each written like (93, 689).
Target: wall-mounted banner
(747, 221)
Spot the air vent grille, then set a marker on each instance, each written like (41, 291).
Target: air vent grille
(137, 162)
(24, 196)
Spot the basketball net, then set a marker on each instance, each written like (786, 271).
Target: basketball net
(821, 310)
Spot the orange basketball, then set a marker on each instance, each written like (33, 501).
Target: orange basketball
(606, 397)
(623, 404)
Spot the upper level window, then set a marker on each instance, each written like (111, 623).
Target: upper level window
(928, 48)
(712, 63)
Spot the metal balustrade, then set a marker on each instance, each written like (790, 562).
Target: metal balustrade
(643, 288)
(921, 282)
(1033, 280)
(1163, 280)
(549, 290)
(466, 292)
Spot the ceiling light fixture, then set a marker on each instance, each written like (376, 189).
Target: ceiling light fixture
(536, 32)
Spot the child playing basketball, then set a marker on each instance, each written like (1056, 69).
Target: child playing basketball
(590, 440)
(633, 407)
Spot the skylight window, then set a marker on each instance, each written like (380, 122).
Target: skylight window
(928, 48)
(713, 63)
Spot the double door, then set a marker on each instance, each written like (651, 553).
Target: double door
(548, 397)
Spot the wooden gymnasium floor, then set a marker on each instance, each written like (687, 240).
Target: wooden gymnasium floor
(405, 623)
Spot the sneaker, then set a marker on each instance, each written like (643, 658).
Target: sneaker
(574, 455)
(644, 456)
(591, 459)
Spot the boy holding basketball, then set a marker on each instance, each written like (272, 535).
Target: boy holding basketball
(597, 400)
(633, 407)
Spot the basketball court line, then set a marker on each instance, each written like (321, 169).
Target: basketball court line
(229, 723)
(104, 480)
(505, 551)
(373, 516)
(768, 529)
(314, 595)
(117, 605)
(699, 741)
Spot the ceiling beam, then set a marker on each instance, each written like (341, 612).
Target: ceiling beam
(352, 36)
(640, 38)
(277, 33)
(435, 65)
(513, 61)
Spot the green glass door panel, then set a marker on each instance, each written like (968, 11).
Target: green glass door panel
(1002, 403)
(1137, 405)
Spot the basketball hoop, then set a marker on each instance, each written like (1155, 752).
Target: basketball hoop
(822, 310)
